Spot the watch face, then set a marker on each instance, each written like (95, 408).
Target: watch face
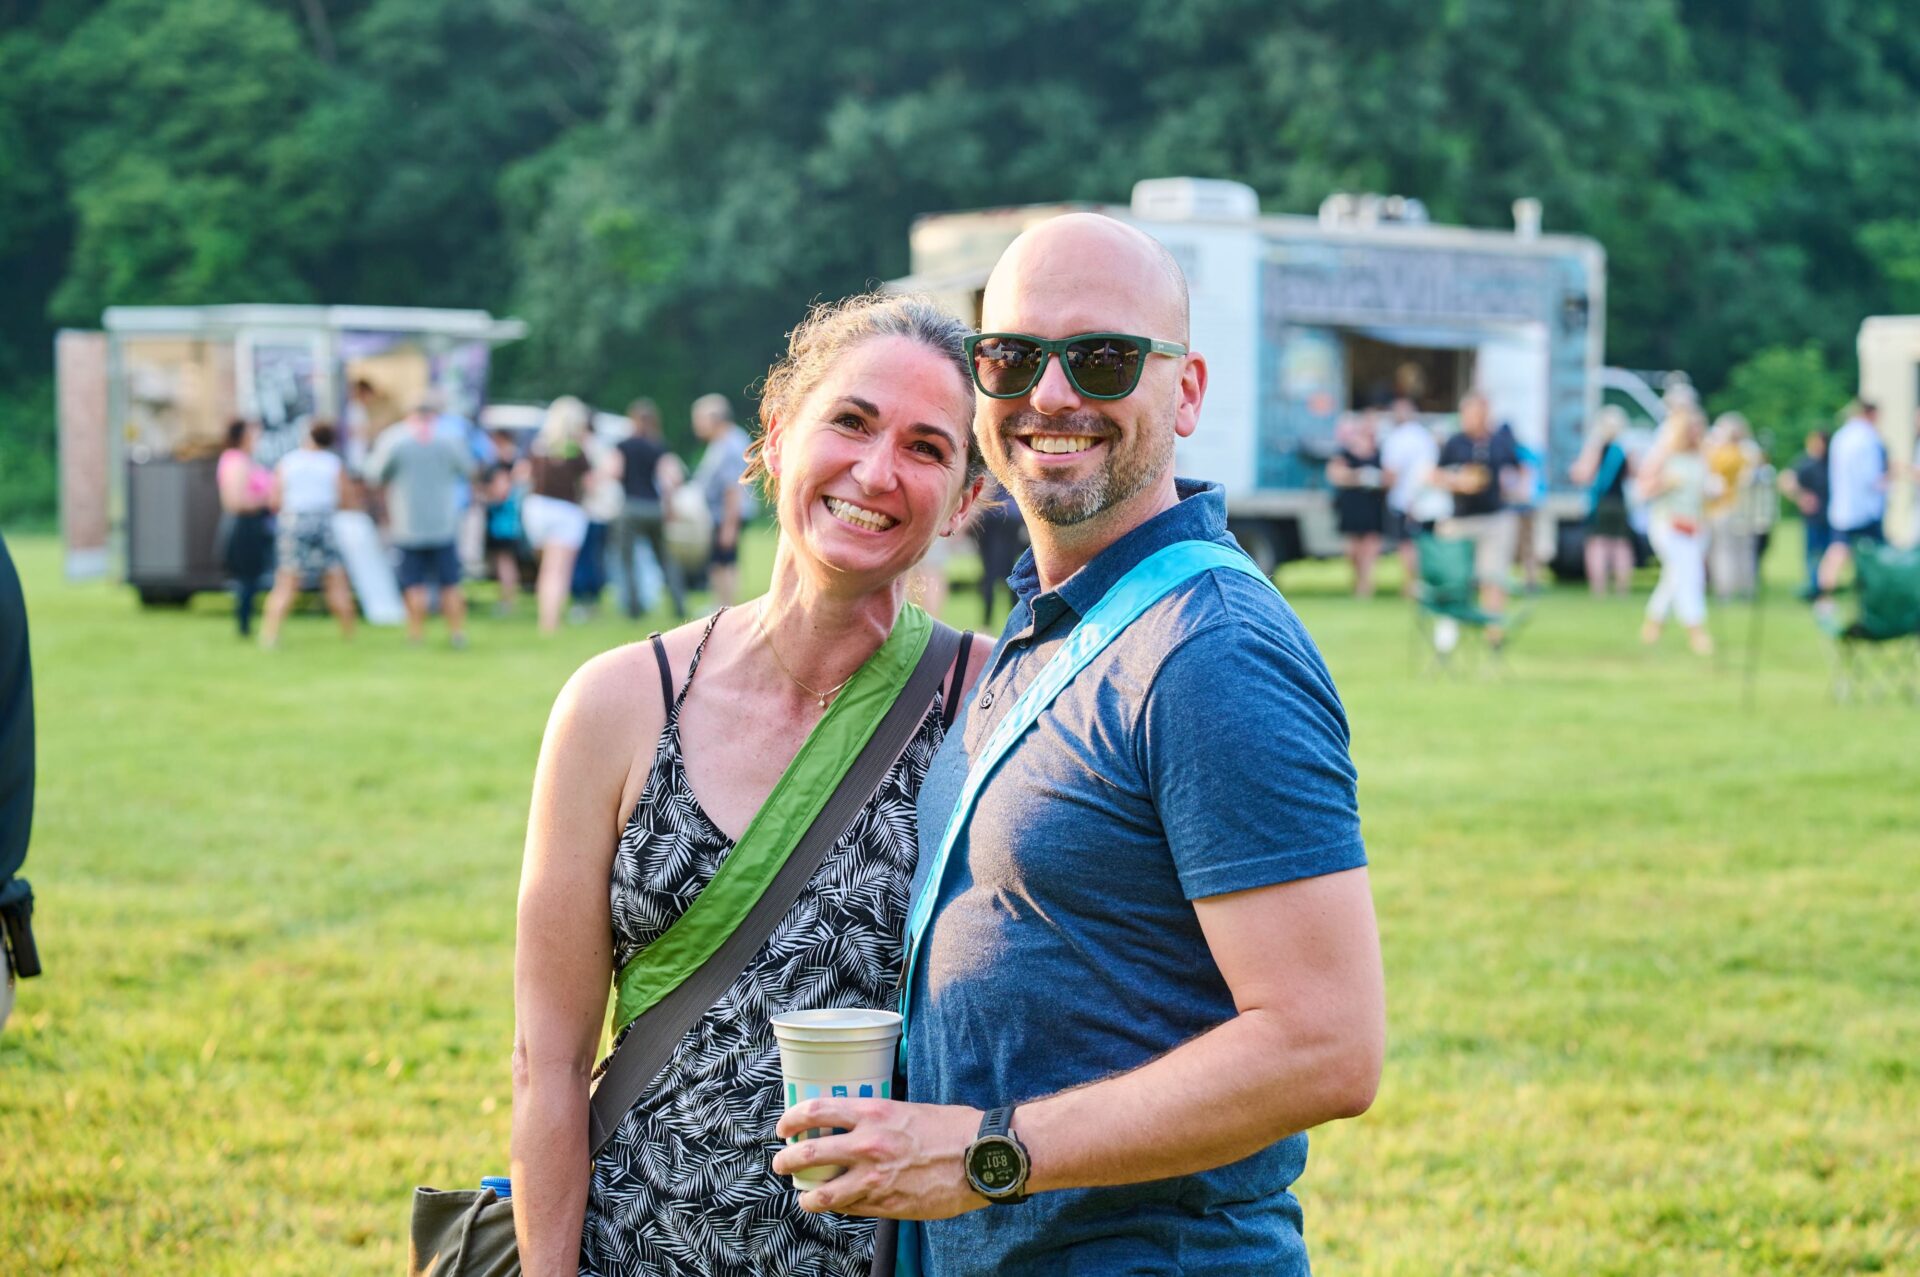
(995, 1165)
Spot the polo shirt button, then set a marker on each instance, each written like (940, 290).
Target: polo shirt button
(986, 700)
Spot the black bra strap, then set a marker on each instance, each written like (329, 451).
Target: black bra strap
(950, 707)
(666, 670)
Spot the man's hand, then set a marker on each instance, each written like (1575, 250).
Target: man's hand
(904, 1161)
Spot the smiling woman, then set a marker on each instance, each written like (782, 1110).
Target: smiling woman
(653, 781)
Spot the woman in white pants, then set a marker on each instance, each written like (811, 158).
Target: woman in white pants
(1674, 479)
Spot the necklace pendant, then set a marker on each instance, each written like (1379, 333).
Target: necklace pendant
(823, 702)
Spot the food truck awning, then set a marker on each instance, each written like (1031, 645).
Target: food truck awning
(959, 281)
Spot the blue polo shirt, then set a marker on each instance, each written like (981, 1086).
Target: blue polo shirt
(1203, 752)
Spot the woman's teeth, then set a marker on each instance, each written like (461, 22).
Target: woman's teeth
(847, 512)
(1060, 443)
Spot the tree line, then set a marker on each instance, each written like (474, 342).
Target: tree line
(659, 189)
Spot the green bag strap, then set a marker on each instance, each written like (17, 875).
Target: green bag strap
(797, 797)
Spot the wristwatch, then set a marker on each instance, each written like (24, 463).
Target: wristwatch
(996, 1162)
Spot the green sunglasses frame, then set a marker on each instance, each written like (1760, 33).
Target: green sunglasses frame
(1058, 350)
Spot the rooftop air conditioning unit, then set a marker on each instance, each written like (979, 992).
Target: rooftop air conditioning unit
(1178, 199)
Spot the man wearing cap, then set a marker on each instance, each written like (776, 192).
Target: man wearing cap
(718, 476)
(1151, 963)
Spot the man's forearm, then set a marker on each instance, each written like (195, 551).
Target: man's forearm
(550, 1169)
(1216, 1099)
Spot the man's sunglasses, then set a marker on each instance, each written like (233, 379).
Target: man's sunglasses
(1100, 365)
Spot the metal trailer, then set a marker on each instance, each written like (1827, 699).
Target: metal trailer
(1303, 318)
(143, 409)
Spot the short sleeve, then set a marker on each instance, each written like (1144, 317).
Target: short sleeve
(1246, 749)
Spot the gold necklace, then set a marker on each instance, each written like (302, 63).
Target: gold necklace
(760, 623)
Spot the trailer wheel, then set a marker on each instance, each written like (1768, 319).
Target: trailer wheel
(1569, 551)
(154, 596)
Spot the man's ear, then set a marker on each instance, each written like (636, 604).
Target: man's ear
(1193, 389)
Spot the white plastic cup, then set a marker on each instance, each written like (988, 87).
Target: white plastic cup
(834, 1053)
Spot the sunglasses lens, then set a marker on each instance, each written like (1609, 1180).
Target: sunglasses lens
(1108, 367)
(1006, 365)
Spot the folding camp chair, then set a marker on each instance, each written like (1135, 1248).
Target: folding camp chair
(1878, 651)
(1448, 621)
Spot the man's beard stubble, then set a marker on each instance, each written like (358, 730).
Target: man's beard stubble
(1065, 503)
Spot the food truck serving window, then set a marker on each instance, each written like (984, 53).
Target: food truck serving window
(1433, 368)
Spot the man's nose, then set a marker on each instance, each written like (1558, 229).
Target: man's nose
(1054, 394)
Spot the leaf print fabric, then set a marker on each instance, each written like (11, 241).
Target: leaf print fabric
(685, 1187)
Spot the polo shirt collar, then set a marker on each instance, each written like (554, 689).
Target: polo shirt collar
(1200, 514)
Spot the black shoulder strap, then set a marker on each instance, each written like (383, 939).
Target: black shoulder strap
(666, 670)
(950, 707)
(651, 1038)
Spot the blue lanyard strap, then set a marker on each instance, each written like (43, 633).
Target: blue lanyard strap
(1143, 586)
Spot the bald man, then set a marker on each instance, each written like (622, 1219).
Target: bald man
(1152, 961)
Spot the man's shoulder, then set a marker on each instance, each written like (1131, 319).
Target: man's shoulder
(1221, 611)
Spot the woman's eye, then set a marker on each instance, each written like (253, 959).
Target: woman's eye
(851, 421)
(932, 450)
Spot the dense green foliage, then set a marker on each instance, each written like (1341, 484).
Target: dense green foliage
(659, 189)
(1649, 958)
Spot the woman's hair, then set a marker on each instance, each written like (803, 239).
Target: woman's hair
(830, 330)
(564, 427)
(236, 433)
(321, 432)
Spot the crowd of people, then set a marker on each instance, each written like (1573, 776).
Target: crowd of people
(1702, 494)
(570, 509)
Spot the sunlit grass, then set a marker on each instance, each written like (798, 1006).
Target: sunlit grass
(1654, 974)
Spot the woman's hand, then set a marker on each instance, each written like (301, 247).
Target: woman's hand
(904, 1161)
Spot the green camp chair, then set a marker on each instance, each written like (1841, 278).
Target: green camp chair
(1448, 621)
(1878, 652)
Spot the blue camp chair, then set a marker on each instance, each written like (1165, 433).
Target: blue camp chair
(1878, 652)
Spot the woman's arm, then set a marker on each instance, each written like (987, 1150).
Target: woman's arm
(563, 950)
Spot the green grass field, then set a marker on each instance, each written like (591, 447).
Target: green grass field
(1652, 958)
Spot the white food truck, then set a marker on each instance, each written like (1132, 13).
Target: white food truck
(1304, 318)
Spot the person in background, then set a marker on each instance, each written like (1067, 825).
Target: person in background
(603, 499)
(1856, 494)
(21, 957)
(1675, 480)
(1732, 457)
(718, 476)
(1407, 459)
(550, 513)
(246, 524)
(1604, 468)
(309, 485)
(1474, 465)
(1523, 488)
(649, 475)
(1359, 495)
(1805, 484)
(423, 472)
(999, 532)
(505, 539)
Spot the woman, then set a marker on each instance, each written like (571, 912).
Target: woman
(1732, 458)
(866, 455)
(1604, 467)
(1359, 496)
(551, 515)
(1675, 479)
(309, 485)
(246, 526)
